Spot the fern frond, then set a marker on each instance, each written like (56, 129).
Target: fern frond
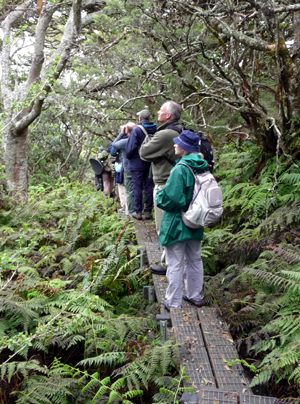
(295, 276)
(92, 384)
(273, 279)
(118, 384)
(112, 396)
(295, 375)
(108, 358)
(132, 394)
(261, 378)
(168, 392)
(166, 359)
(29, 272)
(45, 390)
(290, 178)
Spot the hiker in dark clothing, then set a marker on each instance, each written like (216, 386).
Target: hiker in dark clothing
(140, 169)
(108, 174)
(120, 144)
(99, 177)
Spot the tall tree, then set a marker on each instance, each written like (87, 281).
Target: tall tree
(52, 48)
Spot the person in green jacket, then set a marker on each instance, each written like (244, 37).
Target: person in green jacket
(181, 242)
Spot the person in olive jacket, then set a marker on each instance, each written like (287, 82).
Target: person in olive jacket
(181, 242)
(159, 150)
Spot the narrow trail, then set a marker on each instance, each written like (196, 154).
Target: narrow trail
(207, 345)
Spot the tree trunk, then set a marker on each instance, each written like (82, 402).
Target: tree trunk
(15, 159)
(296, 59)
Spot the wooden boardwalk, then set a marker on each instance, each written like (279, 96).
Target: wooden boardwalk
(207, 345)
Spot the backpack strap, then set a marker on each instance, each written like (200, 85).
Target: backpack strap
(146, 133)
(169, 161)
(184, 164)
(143, 129)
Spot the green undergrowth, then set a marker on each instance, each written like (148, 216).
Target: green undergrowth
(252, 264)
(73, 324)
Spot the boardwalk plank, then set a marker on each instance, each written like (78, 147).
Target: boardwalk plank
(231, 378)
(209, 395)
(214, 329)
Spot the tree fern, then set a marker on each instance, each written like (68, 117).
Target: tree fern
(45, 390)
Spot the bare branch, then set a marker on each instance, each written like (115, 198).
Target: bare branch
(6, 27)
(139, 98)
(40, 34)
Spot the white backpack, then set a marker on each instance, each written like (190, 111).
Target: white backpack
(205, 208)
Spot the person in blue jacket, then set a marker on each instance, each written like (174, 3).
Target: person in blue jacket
(120, 144)
(140, 169)
(182, 243)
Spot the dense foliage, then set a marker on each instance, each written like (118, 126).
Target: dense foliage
(73, 322)
(73, 326)
(257, 250)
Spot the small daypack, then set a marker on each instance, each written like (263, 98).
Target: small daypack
(113, 151)
(205, 207)
(207, 151)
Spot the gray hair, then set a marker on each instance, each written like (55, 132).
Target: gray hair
(144, 114)
(174, 109)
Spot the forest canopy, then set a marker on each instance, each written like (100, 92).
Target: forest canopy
(72, 72)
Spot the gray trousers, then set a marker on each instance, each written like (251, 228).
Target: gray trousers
(158, 214)
(157, 211)
(129, 192)
(191, 272)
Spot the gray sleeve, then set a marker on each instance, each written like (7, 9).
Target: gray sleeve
(120, 144)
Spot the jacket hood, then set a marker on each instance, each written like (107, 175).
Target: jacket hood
(195, 162)
(149, 126)
(173, 124)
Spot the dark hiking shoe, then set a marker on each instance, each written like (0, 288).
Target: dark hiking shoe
(198, 304)
(158, 269)
(147, 216)
(167, 307)
(137, 215)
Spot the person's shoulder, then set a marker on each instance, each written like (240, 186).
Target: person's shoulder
(120, 141)
(170, 126)
(134, 132)
(176, 126)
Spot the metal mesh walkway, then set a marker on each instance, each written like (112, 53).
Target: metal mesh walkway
(206, 346)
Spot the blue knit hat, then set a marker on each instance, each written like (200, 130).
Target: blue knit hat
(188, 141)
